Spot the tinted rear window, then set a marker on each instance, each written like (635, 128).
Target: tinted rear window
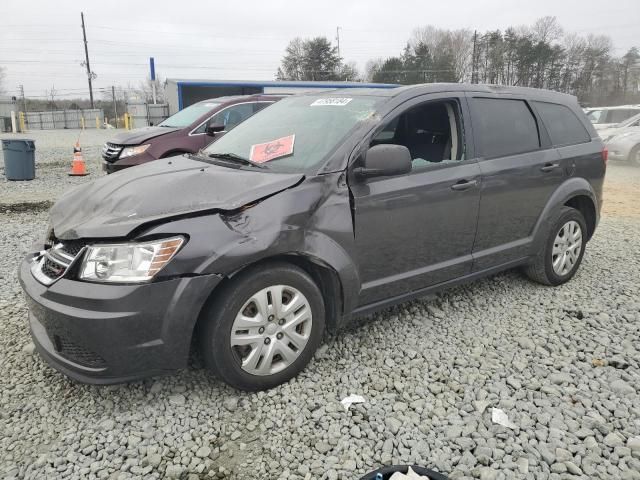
(563, 125)
(504, 127)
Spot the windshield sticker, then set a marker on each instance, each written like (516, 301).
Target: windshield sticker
(331, 101)
(263, 152)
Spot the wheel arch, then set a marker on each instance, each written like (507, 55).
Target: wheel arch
(584, 204)
(173, 153)
(577, 193)
(324, 275)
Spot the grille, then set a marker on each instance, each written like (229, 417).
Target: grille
(76, 353)
(54, 261)
(111, 151)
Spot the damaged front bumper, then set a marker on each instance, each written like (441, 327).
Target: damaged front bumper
(112, 333)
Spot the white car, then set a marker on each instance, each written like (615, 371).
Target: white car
(629, 125)
(625, 147)
(605, 117)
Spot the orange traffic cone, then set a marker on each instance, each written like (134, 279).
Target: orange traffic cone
(78, 167)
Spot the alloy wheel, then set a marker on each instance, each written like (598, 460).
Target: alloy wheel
(271, 330)
(566, 248)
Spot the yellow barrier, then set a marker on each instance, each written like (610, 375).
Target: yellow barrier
(23, 127)
(82, 122)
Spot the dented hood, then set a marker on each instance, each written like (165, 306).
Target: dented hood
(115, 205)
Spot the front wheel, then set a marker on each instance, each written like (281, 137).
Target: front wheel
(562, 254)
(263, 327)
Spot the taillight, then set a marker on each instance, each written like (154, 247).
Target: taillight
(605, 155)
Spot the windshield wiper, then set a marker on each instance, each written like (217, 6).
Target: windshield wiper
(237, 159)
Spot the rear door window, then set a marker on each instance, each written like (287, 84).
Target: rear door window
(563, 125)
(504, 127)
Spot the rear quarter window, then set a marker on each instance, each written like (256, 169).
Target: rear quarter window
(564, 127)
(504, 127)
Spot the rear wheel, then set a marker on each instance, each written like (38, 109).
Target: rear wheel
(562, 254)
(263, 327)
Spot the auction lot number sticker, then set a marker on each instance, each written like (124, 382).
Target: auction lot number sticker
(331, 101)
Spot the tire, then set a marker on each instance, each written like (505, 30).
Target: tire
(542, 269)
(634, 156)
(290, 346)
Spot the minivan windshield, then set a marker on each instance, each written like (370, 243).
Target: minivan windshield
(297, 133)
(187, 116)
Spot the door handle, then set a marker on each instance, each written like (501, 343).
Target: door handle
(548, 167)
(464, 185)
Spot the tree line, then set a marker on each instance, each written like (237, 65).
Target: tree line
(541, 55)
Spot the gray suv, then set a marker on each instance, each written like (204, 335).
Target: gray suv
(315, 210)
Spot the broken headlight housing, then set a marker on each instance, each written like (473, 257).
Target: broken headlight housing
(128, 262)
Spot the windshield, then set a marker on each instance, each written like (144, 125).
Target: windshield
(187, 116)
(597, 116)
(630, 122)
(296, 134)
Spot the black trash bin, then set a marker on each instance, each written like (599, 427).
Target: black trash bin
(19, 159)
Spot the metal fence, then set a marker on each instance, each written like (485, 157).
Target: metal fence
(146, 114)
(64, 119)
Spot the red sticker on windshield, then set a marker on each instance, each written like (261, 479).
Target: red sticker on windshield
(263, 152)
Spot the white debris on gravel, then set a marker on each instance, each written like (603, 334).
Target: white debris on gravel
(501, 343)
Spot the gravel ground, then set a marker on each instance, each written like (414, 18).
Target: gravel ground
(563, 363)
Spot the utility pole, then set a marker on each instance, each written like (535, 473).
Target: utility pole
(24, 100)
(86, 55)
(474, 73)
(338, 39)
(115, 104)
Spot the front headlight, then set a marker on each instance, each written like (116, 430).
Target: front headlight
(131, 151)
(128, 262)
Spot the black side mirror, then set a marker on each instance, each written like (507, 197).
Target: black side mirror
(385, 160)
(211, 130)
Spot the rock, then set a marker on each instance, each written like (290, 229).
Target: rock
(523, 465)
(177, 399)
(634, 444)
(393, 424)
(154, 460)
(487, 473)
(174, 471)
(203, 452)
(107, 425)
(481, 405)
(230, 403)
(560, 378)
(29, 348)
(526, 343)
(622, 388)
(613, 440)
(349, 464)
(323, 447)
(573, 468)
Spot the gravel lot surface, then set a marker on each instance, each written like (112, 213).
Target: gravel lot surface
(563, 364)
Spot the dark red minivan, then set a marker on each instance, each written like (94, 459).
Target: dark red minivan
(187, 131)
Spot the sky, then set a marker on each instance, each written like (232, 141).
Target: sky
(41, 40)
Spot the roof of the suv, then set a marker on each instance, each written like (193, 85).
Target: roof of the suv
(411, 90)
